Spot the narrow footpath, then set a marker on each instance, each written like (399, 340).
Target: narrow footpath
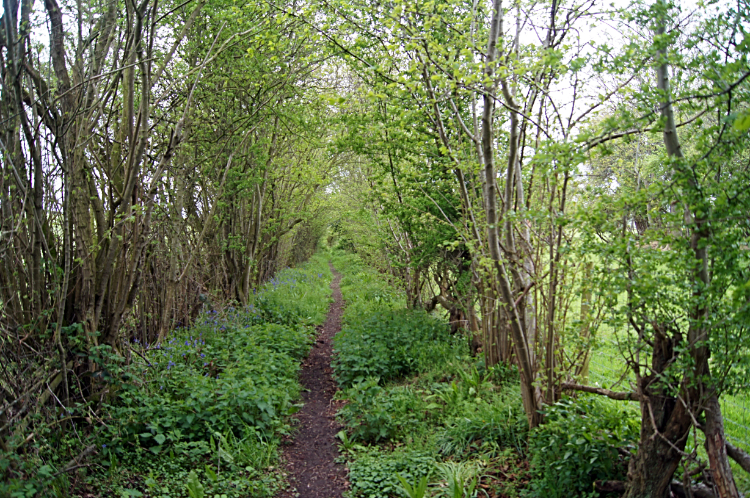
(310, 458)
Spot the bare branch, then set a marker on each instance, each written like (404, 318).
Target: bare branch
(620, 396)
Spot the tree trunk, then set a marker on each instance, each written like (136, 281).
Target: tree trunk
(651, 469)
(665, 426)
(716, 447)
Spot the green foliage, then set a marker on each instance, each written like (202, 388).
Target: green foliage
(446, 405)
(221, 380)
(419, 490)
(578, 444)
(388, 344)
(39, 478)
(203, 410)
(461, 478)
(375, 473)
(194, 487)
(293, 297)
(485, 427)
(373, 413)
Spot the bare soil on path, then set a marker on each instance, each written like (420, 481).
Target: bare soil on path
(310, 457)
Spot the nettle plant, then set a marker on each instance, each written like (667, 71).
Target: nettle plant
(388, 344)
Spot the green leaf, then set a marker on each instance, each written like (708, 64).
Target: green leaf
(742, 123)
(194, 487)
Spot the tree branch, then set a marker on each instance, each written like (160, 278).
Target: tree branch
(739, 455)
(620, 396)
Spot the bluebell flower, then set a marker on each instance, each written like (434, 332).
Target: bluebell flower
(203, 355)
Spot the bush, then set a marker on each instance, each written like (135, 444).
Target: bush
(374, 413)
(388, 344)
(577, 445)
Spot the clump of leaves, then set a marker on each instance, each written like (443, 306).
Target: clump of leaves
(375, 413)
(376, 473)
(577, 445)
(418, 490)
(487, 426)
(388, 344)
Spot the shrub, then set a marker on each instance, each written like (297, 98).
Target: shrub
(374, 413)
(577, 445)
(388, 344)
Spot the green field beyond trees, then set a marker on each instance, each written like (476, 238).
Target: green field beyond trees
(540, 209)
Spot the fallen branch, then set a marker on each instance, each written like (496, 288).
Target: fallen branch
(76, 462)
(20, 427)
(699, 490)
(610, 486)
(739, 455)
(620, 396)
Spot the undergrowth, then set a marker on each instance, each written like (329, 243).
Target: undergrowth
(423, 418)
(199, 414)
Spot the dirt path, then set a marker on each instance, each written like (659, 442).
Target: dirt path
(310, 458)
